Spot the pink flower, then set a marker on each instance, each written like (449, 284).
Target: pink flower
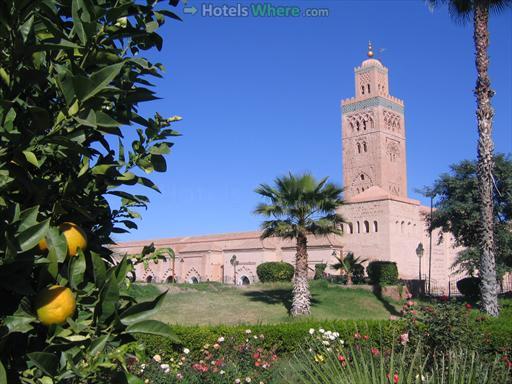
(375, 351)
(357, 335)
(404, 338)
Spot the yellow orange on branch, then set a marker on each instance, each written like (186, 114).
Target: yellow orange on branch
(54, 305)
(75, 238)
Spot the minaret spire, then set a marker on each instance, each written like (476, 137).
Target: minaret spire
(370, 49)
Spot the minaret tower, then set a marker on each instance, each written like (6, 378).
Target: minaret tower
(373, 134)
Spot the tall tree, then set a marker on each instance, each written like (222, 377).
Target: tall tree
(478, 10)
(299, 206)
(457, 212)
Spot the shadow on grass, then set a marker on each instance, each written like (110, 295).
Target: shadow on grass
(377, 291)
(275, 296)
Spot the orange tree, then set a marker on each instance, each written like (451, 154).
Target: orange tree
(72, 74)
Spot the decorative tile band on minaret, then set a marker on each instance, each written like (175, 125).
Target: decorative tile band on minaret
(373, 134)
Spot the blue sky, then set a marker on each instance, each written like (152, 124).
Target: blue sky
(261, 96)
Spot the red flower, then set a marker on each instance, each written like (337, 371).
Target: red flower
(219, 362)
(256, 355)
(365, 337)
(257, 363)
(395, 378)
(341, 358)
(443, 298)
(468, 306)
(375, 352)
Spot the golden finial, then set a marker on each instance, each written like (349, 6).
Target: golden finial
(370, 49)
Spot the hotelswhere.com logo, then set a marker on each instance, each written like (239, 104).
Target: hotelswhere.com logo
(256, 9)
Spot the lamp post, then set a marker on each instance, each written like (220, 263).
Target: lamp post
(419, 252)
(234, 263)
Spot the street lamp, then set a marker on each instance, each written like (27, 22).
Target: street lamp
(419, 253)
(234, 263)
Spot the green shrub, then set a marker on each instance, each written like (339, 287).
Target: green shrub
(320, 270)
(382, 272)
(283, 338)
(275, 271)
(469, 287)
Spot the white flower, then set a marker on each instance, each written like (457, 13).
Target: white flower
(186, 351)
(329, 349)
(321, 330)
(248, 331)
(121, 22)
(247, 379)
(221, 372)
(167, 370)
(325, 342)
(220, 339)
(146, 381)
(157, 358)
(255, 337)
(164, 366)
(237, 381)
(422, 378)
(142, 366)
(311, 331)
(342, 342)
(332, 337)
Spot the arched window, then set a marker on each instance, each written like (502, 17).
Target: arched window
(362, 176)
(193, 280)
(402, 226)
(170, 279)
(149, 279)
(409, 227)
(358, 148)
(368, 88)
(362, 89)
(351, 228)
(364, 125)
(357, 125)
(365, 147)
(358, 227)
(366, 226)
(375, 226)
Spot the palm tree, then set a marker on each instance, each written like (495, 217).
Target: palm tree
(349, 265)
(298, 206)
(478, 10)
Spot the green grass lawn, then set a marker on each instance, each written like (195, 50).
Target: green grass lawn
(213, 303)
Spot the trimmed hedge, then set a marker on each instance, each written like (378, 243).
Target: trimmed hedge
(382, 272)
(275, 271)
(469, 287)
(489, 335)
(284, 338)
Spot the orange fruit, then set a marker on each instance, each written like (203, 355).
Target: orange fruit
(75, 238)
(54, 305)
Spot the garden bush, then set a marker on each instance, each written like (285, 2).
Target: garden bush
(382, 272)
(320, 271)
(469, 287)
(275, 271)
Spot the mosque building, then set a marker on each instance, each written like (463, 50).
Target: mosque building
(382, 222)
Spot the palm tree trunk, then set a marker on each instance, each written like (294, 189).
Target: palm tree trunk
(301, 295)
(484, 114)
(349, 278)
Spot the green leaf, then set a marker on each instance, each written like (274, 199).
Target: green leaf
(109, 297)
(77, 269)
(102, 169)
(142, 311)
(29, 238)
(98, 345)
(31, 158)
(153, 327)
(57, 243)
(47, 362)
(3, 374)
(77, 23)
(99, 269)
(25, 28)
(98, 81)
(19, 323)
(160, 149)
(28, 218)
